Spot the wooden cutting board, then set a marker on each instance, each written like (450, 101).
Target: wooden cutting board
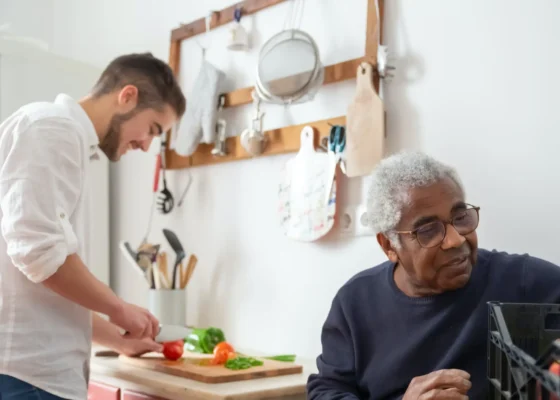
(191, 368)
(306, 210)
(365, 126)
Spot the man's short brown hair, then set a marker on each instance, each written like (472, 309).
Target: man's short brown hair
(154, 79)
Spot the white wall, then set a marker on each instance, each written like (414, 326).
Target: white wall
(29, 73)
(476, 86)
(28, 17)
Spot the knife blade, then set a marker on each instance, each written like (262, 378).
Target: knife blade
(171, 333)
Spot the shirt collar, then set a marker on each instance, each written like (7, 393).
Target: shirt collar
(85, 122)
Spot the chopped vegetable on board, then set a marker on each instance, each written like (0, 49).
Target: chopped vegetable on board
(223, 351)
(283, 358)
(242, 363)
(212, 341)
(204, 340)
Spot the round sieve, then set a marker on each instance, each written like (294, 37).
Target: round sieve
(289, 68)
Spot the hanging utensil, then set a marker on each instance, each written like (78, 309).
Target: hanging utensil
(365, 126)
(179, 253)
(384, 68)
(252, 139)
(304, 215)
(238, 37)
(166, 201)
(221, 136)
(336, 145)
(289, 68)
(154, 196)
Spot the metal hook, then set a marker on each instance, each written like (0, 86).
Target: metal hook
(221, 101)
(237, 14)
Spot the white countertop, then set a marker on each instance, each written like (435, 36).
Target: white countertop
(111, 371)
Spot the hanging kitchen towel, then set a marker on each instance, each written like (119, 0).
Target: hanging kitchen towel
(199, 123)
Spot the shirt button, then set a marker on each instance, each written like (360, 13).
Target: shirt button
(62, 215)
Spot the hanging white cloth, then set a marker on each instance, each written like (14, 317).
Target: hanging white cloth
(199, 123)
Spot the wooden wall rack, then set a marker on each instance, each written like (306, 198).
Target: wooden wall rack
(281, 140)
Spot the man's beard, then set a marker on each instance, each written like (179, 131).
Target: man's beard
(111, 142)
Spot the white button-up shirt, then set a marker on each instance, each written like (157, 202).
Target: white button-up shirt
(45, 152)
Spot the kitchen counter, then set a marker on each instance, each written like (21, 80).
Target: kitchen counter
(108, 370)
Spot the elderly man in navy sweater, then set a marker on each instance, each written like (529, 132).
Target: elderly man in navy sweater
(415, 327)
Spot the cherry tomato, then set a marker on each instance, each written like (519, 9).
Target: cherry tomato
(222, 346)
(220, 356)
(173, 350)
(223, 351)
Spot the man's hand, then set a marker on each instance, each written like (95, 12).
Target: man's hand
(441, 385)
(108, 335)
(136, 347)
(137, 321)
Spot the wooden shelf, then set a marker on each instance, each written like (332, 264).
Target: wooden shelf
(281, 141)
(220, 18)
(333, 73)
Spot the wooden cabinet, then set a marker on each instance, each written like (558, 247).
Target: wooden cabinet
(130, 395)
(101, 391)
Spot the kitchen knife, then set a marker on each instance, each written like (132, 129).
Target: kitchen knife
(171, 333)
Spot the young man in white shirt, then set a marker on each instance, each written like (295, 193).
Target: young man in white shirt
(48, 297)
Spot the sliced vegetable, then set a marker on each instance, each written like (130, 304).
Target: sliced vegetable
(283, 358)
(204, 340)
(223, 351)
(224, 346)
(242, 363)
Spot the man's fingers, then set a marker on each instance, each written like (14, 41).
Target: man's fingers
(149, 330)
(459, 372)
(155, 326)
(443, 394)
(154, 346)
(449, 379)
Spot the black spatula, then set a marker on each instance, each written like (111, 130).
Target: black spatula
(179, 252)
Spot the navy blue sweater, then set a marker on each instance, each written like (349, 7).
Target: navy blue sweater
(376, 339)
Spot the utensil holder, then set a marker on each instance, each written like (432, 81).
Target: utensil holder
(168, 306)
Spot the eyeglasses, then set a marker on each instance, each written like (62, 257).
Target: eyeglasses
(432, 234)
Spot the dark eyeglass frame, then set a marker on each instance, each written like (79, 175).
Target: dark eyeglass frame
(414, 232)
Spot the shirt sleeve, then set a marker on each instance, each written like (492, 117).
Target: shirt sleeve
(40, 184)
(541, 281)
(336, 379)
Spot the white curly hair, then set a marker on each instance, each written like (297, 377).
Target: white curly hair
(391, 182)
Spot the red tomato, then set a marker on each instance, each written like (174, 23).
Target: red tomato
(220, 356)
(222, 352)
(173, 350)
(223, 346)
